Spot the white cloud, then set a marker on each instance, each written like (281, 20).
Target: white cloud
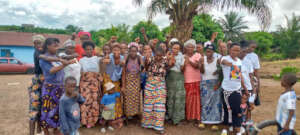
(98, 14)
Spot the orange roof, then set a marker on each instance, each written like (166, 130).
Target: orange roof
(12, 38)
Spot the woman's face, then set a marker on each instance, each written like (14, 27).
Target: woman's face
(53, 48)
(163, 46)
(116, 52)
(147, 50)
(159, 56)
(209, 53)
(235, 51)
(70, 49)
(189, 49)
(106, 50)
(199, 48)
(124, 49)
(38, 45)
(133, 52)
(176, 49)
(89, 51)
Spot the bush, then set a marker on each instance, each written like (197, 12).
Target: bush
(285, 70)
(273, 57)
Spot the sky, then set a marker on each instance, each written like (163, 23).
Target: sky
(100, 14)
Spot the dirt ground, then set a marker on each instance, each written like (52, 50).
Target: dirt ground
(14, 108)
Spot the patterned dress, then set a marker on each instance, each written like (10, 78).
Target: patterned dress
(90, 89)
(51, 92)
(155, 96)
(132, 88)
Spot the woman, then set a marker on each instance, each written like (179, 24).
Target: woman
(155, 92)
(90, 86)
(175, 86)
(52, 87)
(210, 92)
(131, 82)
(36, 87)
(192, 78)
(113, 65)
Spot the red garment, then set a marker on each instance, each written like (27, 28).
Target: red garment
(80, 51)
(192, 105)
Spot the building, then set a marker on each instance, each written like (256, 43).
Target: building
(19, 44)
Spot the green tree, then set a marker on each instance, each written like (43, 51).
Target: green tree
(152, 31)
(233, 26)
(289, 37)
(72, 28)
(182, 12)
(103, 36)
(204, 27)
(264, 41)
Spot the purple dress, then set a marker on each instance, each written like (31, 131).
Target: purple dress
(51, 92)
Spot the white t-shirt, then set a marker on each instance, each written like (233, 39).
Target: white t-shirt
(286, 102)
(232, 74)
(254, 60)
(72, 70)
(210, 69)
(90, 64)
(247, 69)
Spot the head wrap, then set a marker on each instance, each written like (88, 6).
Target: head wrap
(174, 40)
(190, 42)
(133, 44)
(207, 43)
(38, 38)
(68, 43)
(81, 33)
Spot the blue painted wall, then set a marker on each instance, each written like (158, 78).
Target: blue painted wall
(23, 53)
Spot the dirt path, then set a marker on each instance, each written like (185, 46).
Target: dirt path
(14, 108)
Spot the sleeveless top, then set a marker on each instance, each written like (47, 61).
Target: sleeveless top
(209, 69)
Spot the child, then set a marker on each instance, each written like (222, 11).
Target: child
(69, 111)
(108, 103)
(286, 107)
(244, 108)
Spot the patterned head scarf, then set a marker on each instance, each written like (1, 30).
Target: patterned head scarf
(68, 43)
(133, 44)
(40, 38)
(190, 42)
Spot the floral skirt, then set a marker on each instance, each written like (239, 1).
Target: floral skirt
(51, 94)
(211, 103)
(118, 105)
(90, 90)
(34, 92)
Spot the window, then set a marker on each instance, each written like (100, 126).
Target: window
(3, 61)
(13, 61)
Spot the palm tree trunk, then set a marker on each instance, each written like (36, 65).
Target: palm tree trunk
(183, 30)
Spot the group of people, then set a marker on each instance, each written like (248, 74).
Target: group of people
(154, 82)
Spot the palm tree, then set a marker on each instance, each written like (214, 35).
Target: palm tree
(233, 25)
(181, 12)
(289, 37)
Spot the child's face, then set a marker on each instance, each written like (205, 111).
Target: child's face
(244, 99)
(70, 87)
